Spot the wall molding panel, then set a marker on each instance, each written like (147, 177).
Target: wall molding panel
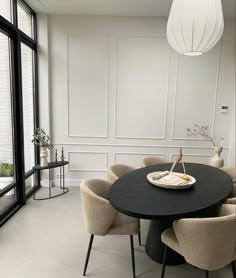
(164, 120)
(177, 73)
(186, 155)
(137, 154)
(90, 154)
(106, 86)
(138, 146)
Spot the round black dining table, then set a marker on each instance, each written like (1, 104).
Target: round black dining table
(133, 195)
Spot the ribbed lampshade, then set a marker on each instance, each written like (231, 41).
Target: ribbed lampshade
(195, 26)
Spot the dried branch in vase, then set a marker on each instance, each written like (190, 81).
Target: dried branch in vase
(203, 131)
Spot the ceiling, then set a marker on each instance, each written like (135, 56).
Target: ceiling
(114, 7)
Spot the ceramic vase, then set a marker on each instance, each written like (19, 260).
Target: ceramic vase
(43, 157)
(216, 160)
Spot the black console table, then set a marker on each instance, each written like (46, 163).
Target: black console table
(50, 166)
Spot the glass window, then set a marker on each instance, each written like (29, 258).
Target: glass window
(7, 199)
(5, 9)
(28, 105)
(6, 145)
(25, 19)
(29, 183)
(15, 113)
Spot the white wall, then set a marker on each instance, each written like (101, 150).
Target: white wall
(118, 92)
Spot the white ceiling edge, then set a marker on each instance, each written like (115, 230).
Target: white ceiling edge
(115, 7)
(37, 6)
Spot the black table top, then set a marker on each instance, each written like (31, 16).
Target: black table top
(51, 165)
(133, 195)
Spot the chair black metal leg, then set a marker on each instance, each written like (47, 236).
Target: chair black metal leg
(132, 254)
(233, 269)
(164, 262)
(206, 273)
(139, 239)
(88, 254)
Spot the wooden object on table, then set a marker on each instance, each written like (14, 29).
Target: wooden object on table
(178, 159)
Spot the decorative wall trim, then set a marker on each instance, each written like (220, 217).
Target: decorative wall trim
(215, 100)
(67, 90)
(88, 169)
(137, 146)
(136, 153)
(216, 88)
(189, 154)
(116, 92)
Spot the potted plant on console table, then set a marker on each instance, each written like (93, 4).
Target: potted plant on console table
(41, 139)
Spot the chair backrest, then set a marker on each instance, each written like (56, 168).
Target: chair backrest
(231, 201)
(231, 171)
(152, 160)
(116, 171)
(208, 243)
(97, 210)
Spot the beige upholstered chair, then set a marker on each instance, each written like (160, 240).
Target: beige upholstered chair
(207, 243)
(152, 160)
(231, 201)
(231, 171)
(101, 218)
(116, 171)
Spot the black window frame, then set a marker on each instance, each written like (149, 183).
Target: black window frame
(17, 37)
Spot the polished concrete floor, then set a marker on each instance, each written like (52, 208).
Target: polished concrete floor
(47, 239)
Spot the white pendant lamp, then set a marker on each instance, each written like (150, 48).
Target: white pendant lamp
(195, 26)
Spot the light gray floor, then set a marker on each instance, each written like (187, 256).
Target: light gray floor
(47, 239)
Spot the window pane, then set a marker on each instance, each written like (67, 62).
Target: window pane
(28, 105)
(6, 146)
(24, 19)
(5, 9)
(29, 183)
(7, 199)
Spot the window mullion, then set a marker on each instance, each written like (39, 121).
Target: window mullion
(18, 120)
(14, 12)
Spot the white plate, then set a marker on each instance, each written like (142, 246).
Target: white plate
(159, 183)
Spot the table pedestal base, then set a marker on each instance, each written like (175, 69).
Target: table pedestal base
(154, 246)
